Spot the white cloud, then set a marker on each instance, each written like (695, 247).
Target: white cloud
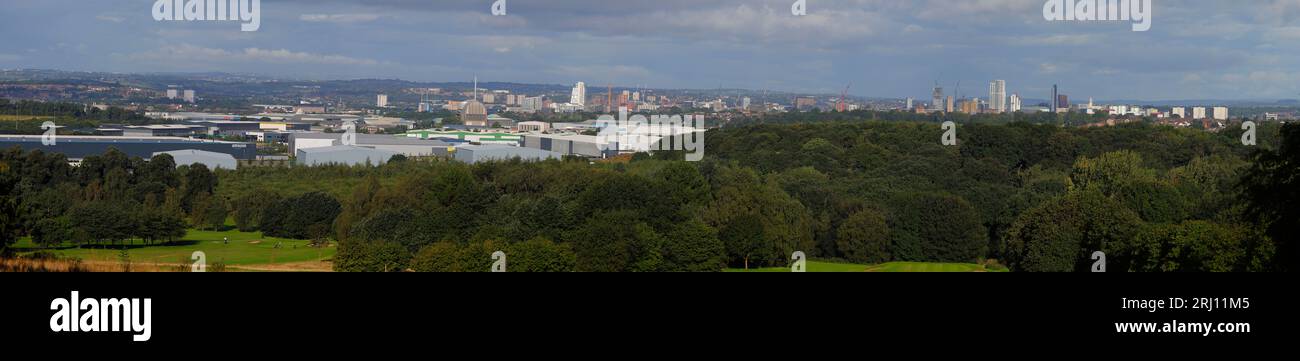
(110, 18)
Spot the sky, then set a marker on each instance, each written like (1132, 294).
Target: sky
(1195, 49)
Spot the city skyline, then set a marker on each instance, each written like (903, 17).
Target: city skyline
(1195, 50)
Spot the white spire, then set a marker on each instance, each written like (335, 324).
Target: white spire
(476, 88)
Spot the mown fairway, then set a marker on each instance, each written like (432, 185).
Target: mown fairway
(245, 251)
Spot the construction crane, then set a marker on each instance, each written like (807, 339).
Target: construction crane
(843, 94)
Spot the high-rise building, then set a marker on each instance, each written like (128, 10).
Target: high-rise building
(998, 96)
(381, 100)
(189, 96)
(937, 103)
(948, 104)
(909, 104)
(173, 93)
(1181, 112)
(970, 106)
(1198, 113)
(1015, 103)
(579, 96)
(744, 103)
(1062, 102)
(1220, 113)
(1052, 102)
(533, 104)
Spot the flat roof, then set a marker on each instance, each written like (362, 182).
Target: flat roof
(112, 139)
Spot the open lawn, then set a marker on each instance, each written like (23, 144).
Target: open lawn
(11, 117)
(818, 266)
(246, 251)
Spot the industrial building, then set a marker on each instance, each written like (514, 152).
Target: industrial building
(466, 136)
(79, 147)
(342, 155)
(534, 126)
(227, 127)
(163, 130)
(212, 160)
(571, 144)
(484, 153)
(411, 147)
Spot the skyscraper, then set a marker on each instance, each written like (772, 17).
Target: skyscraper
(998, 96)
(937, 103)
(189, 96)
(579, 96)
(1053, 101)
(381, 100)
(1015, 103)
(948, 104)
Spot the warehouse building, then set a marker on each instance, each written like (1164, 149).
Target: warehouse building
(411, 147)
(227, 127)
(79, 147)
(485, 153)
(163, 130)
(212, 160)
(572, 144)
(467, 136)
(343, 155)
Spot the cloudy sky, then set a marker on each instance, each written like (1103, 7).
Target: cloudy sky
(1196, 49)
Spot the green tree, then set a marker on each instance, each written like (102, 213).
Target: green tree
(864, 237)
(1271, 187)
(935, 227)
(540, 255)
(1061, 234)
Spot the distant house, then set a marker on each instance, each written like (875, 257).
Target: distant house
(343, 155)
(212, 160)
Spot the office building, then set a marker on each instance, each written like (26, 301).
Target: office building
(381, 100)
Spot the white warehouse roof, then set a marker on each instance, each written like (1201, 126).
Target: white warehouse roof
(212, 160)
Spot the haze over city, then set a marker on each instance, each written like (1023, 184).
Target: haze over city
(1194, 50)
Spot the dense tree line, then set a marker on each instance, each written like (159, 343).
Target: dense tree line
(106, 200)
(1036, 197)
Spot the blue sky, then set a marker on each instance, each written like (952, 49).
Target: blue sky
(1196, 49)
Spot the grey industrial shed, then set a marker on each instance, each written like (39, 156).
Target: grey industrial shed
(482, 153)
(212, 160)
(344, 155)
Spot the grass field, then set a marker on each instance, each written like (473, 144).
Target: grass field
(11, 117)
(831, 267)
(246, 251)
